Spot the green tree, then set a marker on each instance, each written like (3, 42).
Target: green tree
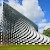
(47, 32)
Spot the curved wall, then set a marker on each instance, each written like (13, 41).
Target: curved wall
(17, 29)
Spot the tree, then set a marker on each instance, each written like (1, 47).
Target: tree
(47, 32)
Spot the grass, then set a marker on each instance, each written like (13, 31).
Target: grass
(25, 47)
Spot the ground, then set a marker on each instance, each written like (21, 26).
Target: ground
(25, 47)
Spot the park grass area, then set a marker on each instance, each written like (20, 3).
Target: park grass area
(25, 47)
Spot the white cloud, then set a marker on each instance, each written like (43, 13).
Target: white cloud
(30, 8)
(43, 25)
(47, 26)
(40, 31)
(43, 20)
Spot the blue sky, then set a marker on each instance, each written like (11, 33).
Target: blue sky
(44, 8)
(20, 1)
(45, 5)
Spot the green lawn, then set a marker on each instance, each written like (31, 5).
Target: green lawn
(25, 47)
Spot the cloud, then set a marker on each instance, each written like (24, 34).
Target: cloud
(43, 25)
(43, 20)
(30, 9)
(47, 26)
(40, 30)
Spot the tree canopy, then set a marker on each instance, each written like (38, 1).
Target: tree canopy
(47, 32)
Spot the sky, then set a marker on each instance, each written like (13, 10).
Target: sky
(36, 10)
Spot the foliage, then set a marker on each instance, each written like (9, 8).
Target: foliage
(47, 32)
